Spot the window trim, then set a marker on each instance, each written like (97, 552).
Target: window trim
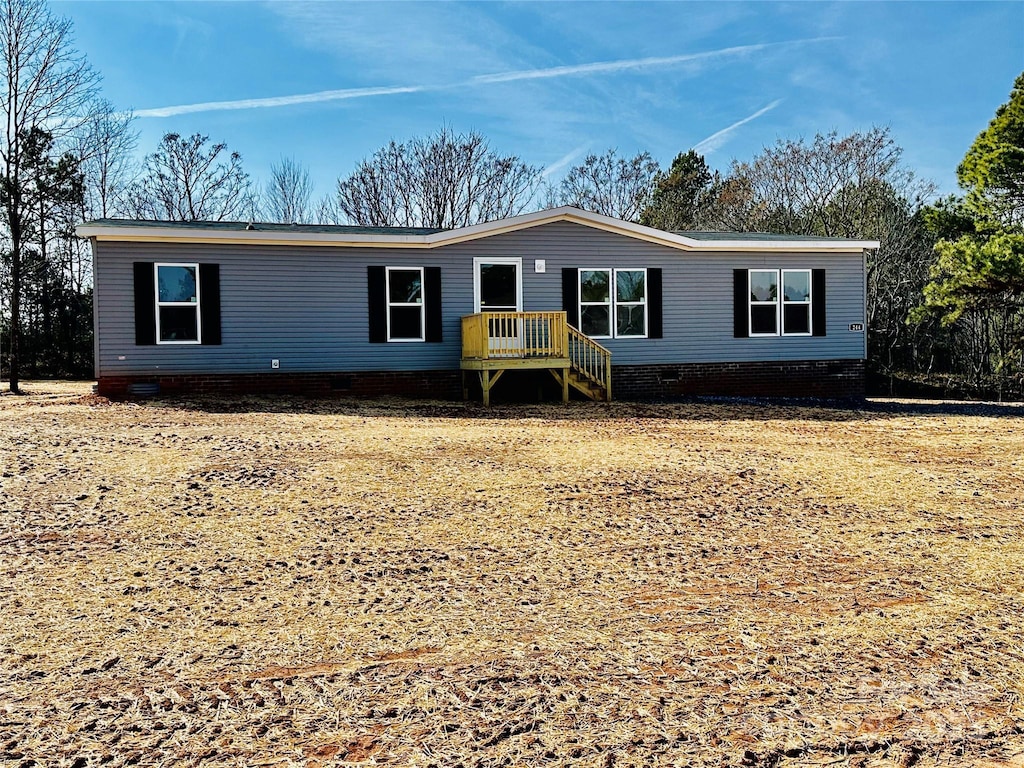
(751, 303)
(479, 261)
(388, 304)
(809, 303)
(613, 301)
(780, 303)
(197, 304)
(610, 303)
(615, 288)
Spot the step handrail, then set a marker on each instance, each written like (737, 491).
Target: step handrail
(590, 360)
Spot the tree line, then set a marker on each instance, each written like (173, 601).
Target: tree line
(945, 289)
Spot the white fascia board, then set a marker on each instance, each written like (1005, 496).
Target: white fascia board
(107, 233)
(115, 233)
(650, 234)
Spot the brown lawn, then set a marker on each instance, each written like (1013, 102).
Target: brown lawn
(285, 583)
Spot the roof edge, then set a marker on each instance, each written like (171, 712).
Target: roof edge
(107, 232)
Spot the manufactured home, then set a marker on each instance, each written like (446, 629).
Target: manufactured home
(606, 307)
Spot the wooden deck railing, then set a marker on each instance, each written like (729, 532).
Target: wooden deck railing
(590, 360)
(495, 341)
(486, 335)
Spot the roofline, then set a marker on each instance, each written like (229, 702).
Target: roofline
(173, 234)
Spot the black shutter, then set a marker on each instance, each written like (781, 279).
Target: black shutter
(818, 316)
(145, 303)
(432, 297)
(209, 302)
(740, 304)
(376, 294)
(570, 295)
(654, 304)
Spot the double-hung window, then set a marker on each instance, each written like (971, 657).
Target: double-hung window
(404, 304)
(613, 303)
(406, 320)
(178, 319)
(774, 312)
(796, 302)
(764, 302)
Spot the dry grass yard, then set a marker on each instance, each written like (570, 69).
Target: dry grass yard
(309, 583)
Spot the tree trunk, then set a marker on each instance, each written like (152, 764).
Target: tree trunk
(14, 358)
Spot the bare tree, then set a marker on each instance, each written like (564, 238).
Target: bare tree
(326, 211)
(286, 197)
(853, 186)
(445, 180)
(105, 144)
(818, 188)
(187, 180)
(611, 185)
(44, 84)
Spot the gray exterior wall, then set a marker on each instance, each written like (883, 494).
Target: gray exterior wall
(307, 306)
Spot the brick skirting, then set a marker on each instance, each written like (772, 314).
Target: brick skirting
(805, 378)
(815, 378)
(444, 385)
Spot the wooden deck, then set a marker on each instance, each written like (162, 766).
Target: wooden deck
(495, 342)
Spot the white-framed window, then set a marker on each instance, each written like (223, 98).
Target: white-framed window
(764, 302)
(596, 302)
(773, 312)
(796, 302)
(406, 318)
(630, 303)
(613, 303)
(178, 320)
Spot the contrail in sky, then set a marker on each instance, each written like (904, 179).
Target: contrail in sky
(716, 140)
(279, 101)
(618, 66)
(562, 162)
(499, 77)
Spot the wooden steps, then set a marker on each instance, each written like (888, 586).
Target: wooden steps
(583, 384)
(495, 342)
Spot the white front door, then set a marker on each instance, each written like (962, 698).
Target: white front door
(498, 287)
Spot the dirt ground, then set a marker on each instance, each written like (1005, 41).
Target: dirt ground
(314, 583)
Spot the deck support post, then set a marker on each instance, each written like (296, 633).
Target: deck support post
(495, 342)
(487, 380)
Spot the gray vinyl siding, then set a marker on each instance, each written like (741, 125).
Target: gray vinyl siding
(307, 306)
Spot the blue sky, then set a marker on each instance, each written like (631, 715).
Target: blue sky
(328, 83)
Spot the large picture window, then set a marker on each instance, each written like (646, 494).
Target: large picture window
(177, 304)
(406, 319)
(613, 303)
(774, 312)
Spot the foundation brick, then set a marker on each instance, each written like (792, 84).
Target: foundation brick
(831, 379)
(839, 379)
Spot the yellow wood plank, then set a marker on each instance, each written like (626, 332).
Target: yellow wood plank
(513, 363)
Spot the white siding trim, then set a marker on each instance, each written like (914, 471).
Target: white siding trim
(192, 234)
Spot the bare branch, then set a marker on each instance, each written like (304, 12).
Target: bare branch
(611, 185)
(185, 180)
(446, 180)
(287, 194)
